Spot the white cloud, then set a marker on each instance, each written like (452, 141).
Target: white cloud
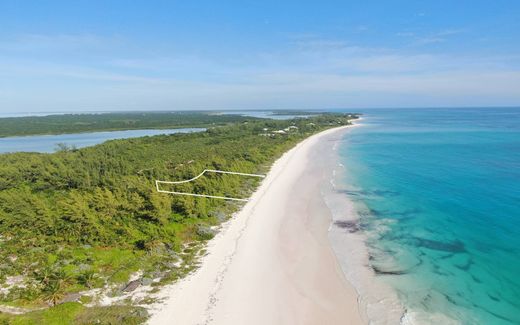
(431, 38)
(312, 72)
(55, 43)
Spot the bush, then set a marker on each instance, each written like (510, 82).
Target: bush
(112, 315)
(205, 233)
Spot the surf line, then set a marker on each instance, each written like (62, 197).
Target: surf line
(157, 182)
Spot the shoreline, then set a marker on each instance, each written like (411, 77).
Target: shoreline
(272, 263)
(378, 302)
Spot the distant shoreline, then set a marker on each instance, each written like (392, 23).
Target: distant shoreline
(76, 123)
(89, 123)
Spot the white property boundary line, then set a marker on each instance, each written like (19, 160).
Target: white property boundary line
(157, 182)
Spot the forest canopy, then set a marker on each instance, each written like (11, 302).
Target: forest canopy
(80, 219)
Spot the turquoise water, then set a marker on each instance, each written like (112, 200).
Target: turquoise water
(49, 143)
(439, 200)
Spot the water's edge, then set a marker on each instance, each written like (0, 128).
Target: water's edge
(425, 215)
(378, 303)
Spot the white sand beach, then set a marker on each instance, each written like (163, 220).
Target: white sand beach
(272, 263)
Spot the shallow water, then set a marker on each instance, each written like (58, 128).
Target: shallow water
(438, 194)
(49, 143)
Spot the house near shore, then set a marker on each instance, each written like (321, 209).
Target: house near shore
(292, 127)
(273, 133)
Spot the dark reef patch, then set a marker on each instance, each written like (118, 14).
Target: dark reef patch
(348, 225)
(493, 297)
(437, 270)
(455, 246)
(380, 271)
(451, 300)
(376, 193)
(466, 266)
(477, 280)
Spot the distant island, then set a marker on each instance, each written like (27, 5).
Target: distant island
(78, 123)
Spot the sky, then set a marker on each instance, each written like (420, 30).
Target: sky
(73, 56)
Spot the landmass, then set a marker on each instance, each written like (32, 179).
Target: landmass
(78, 123)
(85, 236)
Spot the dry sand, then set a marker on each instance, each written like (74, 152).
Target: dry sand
(272, 263)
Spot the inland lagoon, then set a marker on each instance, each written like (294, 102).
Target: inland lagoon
(51, 143)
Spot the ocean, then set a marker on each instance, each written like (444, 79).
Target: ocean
(437, 192)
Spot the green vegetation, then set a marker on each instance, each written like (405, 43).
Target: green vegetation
(76, 123)
(75, 313)
(81, 219)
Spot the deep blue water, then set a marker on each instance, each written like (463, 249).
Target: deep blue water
(439, 199)
(49, 143)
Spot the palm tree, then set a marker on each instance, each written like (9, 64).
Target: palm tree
(54, 284)
(54, 291)
(87, 278)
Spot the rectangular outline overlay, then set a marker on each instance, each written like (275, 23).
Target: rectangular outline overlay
(203, 195)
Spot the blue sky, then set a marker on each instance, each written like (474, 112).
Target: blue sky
(160, 55)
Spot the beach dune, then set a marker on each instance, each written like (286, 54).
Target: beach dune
(272, 263)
